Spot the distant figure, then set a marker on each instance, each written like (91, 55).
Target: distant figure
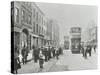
(60, 51)
(41, 59)
(53, 51)
(49, 53)
(95, 48)
(82, 50)
(89, 50)
(57, 54)
(85, 51)
(46, 54)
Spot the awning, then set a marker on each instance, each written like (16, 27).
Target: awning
(34, 35)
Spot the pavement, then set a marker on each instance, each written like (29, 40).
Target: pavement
(66, 62)
(32, 67)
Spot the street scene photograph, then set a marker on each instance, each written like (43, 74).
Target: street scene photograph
(50, 37)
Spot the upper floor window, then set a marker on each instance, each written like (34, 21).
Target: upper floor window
(34, 13)
(23, 15)
(37, 16)
(37, 28)
(34, 27)
(16, 15)
(29, 19)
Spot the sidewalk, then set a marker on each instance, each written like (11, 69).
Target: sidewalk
(32, 67)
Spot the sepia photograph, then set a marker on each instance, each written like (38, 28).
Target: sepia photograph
(53, 37)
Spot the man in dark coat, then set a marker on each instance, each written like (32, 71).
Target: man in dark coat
(35, 54)
(53, 51)
(45, 54)
(60, 51)
(57, 53)
(89, 50)
(82, 50)
(86, 51)
(23, 55)
(49, 53)
(26, 54)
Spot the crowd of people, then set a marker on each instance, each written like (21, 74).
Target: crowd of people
(41, 54)
(87, 50)
(45, 53)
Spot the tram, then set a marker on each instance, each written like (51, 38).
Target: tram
(75, 39)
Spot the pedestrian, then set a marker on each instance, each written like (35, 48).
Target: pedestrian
(41, 59)
(57, 53)
(23, 55)
(60, 50)
(46, 54)
(26, 54)
(82, 50)
(33, 47)
(89, 50)
(49, 53)
(16, 60)
(95, 48)
(53, 51)
(85, 52)
(35, 54)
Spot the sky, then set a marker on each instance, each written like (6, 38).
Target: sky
(68, 15)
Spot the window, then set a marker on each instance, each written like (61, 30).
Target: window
(37, 16)
(37, 28)
(23, 15)
(42, 30)
(42, 20)
(16, 15)
(34, 13)
(29, 19)
(34, 27)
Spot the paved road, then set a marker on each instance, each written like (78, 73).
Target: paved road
(66, 62)
(71, 62)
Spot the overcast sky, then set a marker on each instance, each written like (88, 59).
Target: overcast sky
(70, 15)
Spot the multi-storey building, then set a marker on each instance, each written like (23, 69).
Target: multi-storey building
(28, 24)
(89, 35)
(38, 23)
(53, 32)
(31, 26)
(21, 23)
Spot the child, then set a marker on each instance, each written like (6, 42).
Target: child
(41, 59)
